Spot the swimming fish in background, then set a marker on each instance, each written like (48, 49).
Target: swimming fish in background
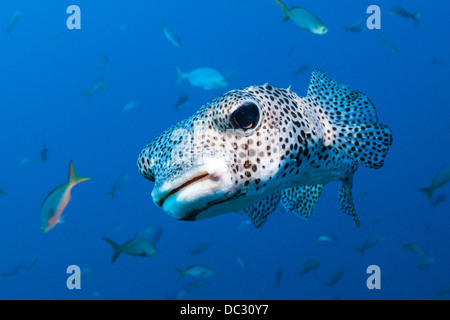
(130, 106)
(308, 267)
(388, 45)
(252, 148)
(44, 152)
(440, 179)
(2, 192)
(118, 183)
(303, 68)
(370, 243)
(356, 27)
(336, 277)
(182, 98)
(56, 201)
(139, 246)
(326, 238)
(171, 36)
(13, 21)
(401, 12)
(195, 270)
(98, 86)
(439, 199)
(303, 19)
(207, 78)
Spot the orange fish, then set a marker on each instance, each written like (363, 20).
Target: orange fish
(57, 200)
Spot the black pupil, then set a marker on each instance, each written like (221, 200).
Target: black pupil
(245, 117)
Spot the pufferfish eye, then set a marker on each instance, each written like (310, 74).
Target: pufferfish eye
(245, 117)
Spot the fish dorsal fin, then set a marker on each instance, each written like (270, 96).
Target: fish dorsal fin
(341, 102)
(259, 211)
(346, 201)
(349, 121)
(301, 200)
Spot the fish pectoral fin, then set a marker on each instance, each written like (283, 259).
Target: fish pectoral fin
(301, 200)
(259, 211)
(346, 201)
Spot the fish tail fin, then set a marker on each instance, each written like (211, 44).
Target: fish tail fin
(87, 95)
(180, 273)
(73, 177)
(285, 10)
(117, 249)
(180, 75)
(428, 191)
(346, 201)
(416, 17)
(360, 250)
(351, 122)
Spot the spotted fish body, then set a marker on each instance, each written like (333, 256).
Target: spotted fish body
(252, 148)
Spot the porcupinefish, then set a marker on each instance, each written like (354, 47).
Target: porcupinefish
(254, 147)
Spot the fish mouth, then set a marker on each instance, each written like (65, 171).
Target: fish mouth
(194, 190)
(160, 200)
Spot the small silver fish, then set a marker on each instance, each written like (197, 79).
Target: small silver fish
(171, 36)
(356, 27)
(13, 21)
(308, 267)
(440, 179)
(326, 237)
(388, 45)
(200, 249)
(241, 261)
(182, 98)
(207, 78)
(370, 243)
(336, 277)
(195, 270)
(44, 152)
(98, 86)
(303, 68)
(401, 12)
(140, 247)
(118, 183)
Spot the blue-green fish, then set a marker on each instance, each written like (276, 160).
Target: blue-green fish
(336, 277)
(440, 179)
(308, 267)
(304, 19)
(98, 86)
(56, 201)
(370, 242)
(195, 270)
(401, 12)
(207, 78)
(171, 36)
(13, 21)
(139, 246)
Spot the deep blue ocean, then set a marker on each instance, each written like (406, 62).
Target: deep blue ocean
(45, 67)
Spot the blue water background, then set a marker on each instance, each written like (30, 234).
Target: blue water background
(44, 68)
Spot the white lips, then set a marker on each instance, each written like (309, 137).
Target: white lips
(194, 189)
